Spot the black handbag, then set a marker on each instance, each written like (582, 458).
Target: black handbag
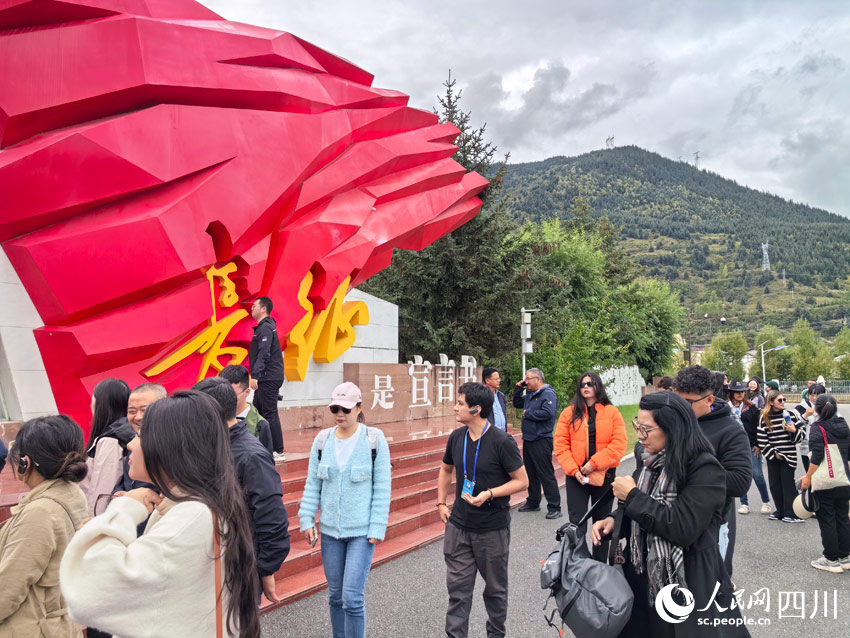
(592, 598)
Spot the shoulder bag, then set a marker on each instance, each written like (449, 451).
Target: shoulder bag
(831, 472)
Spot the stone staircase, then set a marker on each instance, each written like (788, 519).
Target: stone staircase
(413, 521)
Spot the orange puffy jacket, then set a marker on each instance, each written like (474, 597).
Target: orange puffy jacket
(571, 442)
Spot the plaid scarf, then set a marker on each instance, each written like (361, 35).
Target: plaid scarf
(664, 561)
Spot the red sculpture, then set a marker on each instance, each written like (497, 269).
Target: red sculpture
(148, 146)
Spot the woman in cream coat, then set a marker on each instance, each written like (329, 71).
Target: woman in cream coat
(164, 583)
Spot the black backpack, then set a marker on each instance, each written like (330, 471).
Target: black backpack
(593, 599)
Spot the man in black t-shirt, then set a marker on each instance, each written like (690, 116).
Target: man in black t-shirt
(489, 469)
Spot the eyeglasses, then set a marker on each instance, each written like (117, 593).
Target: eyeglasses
(336, 408)
(642, 430)
(692, 401)
(780, 400)
(587, 384)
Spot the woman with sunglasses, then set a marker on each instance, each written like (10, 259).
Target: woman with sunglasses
(48, 458)
(778, 432)
(589, 441)
(349, 476)
(672, 508)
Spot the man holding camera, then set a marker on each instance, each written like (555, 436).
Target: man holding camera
(540, 409)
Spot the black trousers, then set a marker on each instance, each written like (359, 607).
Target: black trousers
(581, 497)
(833, 508)
(265, 400)
(780, 478)
(537, 456)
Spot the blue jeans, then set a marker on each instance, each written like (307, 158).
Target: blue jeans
(758, 477)
(347, 562)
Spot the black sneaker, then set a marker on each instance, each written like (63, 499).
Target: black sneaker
(773, 517)
(554, 514)
(792, 519)
(527, 507)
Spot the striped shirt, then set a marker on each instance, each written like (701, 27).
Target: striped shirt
(777, 441)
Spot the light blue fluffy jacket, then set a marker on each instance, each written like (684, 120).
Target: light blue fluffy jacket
(355, 501)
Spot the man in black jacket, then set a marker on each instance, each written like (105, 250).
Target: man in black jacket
(266, 360)
(695, 384)
(260, 484)
(540, 409)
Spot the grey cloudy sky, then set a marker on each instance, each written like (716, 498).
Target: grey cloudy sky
(760, 89)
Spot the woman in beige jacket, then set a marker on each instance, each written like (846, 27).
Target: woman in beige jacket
(48, 457)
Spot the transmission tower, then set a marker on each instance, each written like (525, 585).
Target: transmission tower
(784, 281)
(765, 262)
(696, 159)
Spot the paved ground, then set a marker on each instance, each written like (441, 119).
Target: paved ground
(407, 597)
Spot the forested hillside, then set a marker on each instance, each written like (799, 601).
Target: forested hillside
(702, 233)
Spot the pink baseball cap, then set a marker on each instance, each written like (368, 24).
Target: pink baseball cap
(346, 395)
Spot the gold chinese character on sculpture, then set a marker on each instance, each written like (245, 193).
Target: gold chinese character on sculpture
(209, 341)
(324, 336)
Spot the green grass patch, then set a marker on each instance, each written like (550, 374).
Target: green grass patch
(629, 413)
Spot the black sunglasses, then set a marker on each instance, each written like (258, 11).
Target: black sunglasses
(587, 384)
(337, 408)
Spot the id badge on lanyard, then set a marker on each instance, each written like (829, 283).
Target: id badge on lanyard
(469, 483)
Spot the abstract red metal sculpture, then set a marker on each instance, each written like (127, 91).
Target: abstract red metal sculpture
(152, 152)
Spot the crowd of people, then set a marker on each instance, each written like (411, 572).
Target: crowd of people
(169, 519)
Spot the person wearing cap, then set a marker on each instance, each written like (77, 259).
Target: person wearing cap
(349, 477)
(773, 384)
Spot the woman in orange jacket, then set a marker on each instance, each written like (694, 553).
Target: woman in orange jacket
(590, 440)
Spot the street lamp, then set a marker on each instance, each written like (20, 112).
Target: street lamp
(526, 345)
(761, 345)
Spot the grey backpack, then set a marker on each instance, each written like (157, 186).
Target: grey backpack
(593, 599)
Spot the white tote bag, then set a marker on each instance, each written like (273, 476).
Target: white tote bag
(831, 472)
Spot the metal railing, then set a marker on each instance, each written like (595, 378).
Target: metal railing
(840, 388)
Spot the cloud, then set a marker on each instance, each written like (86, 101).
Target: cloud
(756, 87)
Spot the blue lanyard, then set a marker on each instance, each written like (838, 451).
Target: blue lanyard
(477, 447)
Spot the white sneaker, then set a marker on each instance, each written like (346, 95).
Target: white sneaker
(827, 565)
(744, 509)
(766, 509)
(279, 457)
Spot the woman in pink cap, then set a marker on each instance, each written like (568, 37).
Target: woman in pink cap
(349, 475)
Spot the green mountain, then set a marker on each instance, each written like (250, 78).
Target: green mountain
(702, 233)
